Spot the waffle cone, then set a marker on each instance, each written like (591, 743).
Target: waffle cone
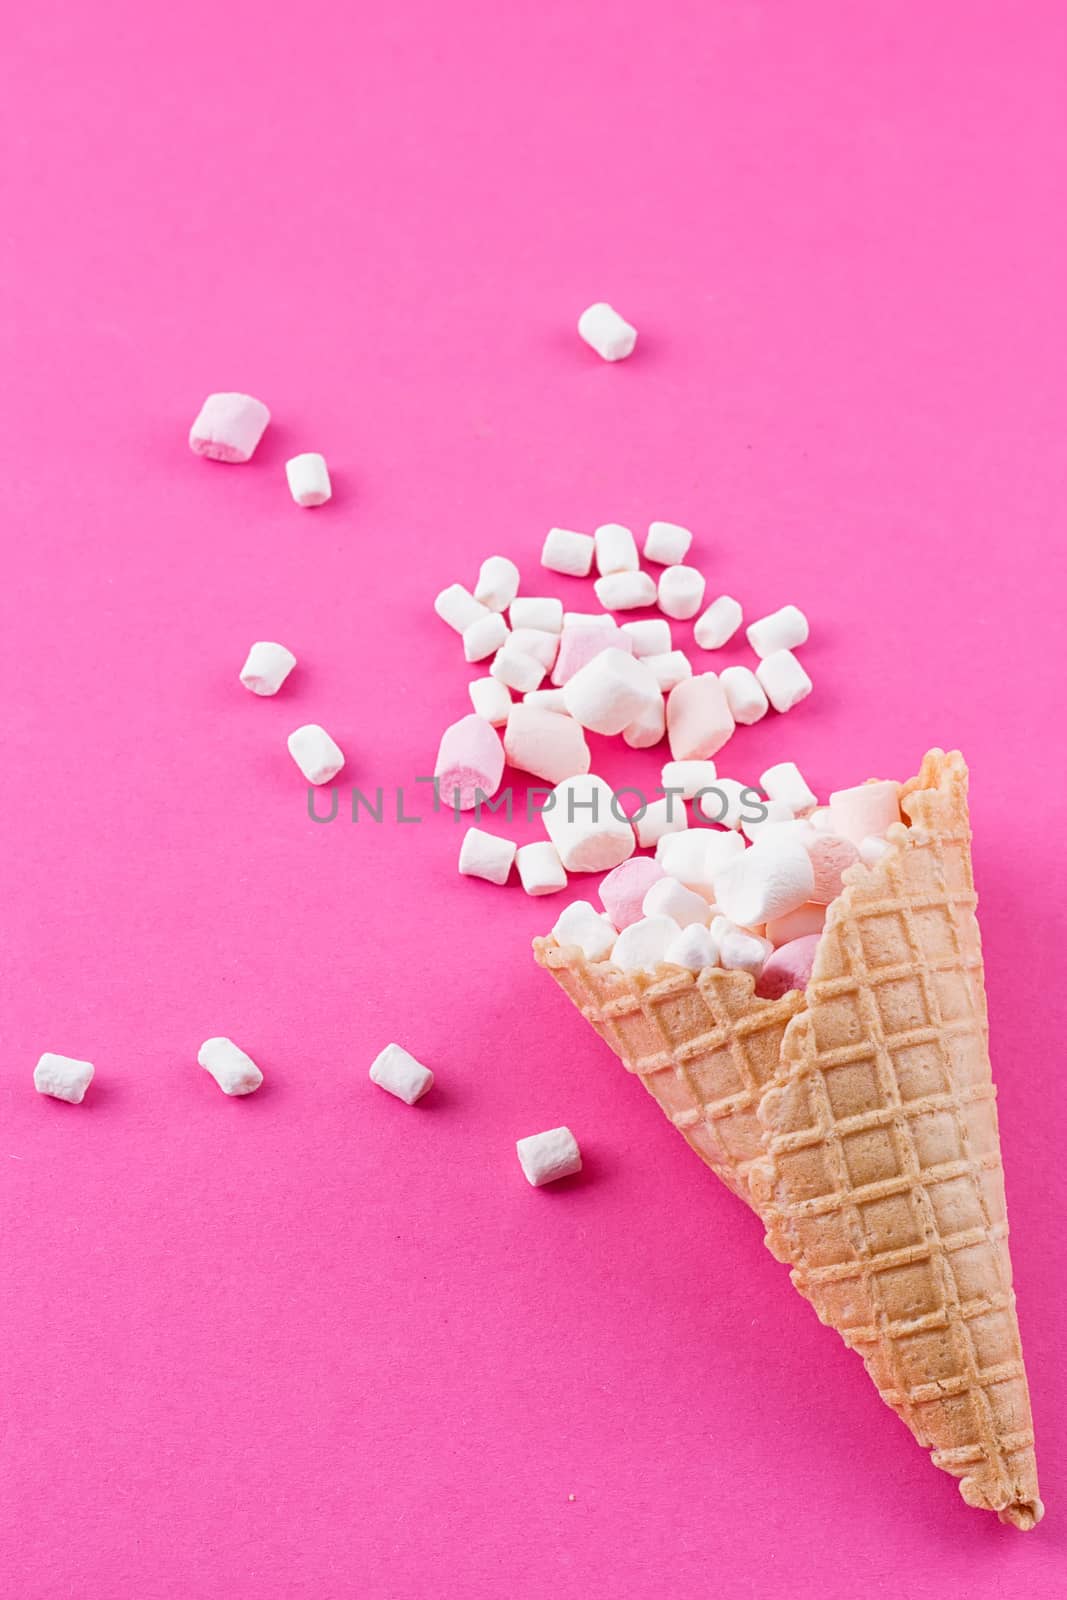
(859, 1120)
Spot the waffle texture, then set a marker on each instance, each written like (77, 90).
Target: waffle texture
(859, 1120)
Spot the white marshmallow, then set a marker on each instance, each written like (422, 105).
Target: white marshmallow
(782, 630)
(776, 815)
(544, 1157)
(872, 849)
(539, 643)
(398, 1072)
(498, 583)
(518, 670)
(569, 552)
(739, 950)
(547, 699)
(586, 826)
(667, 543)
(783, 680)
(729, 802)
(484, 855)
(615, 549)
(583, 925)
(588, 619)
(774, 876)
(458, 607)
(660, 817)
(228, 427)
(267, 667)
(549, 744)
(315, 753)
(610, 691)
(610, 335)
(625, 591)
(537, 611)
(698, 718)
(669, 898)
(232, 1070)
(643, 945)
(484, 636)
(669, 669)
(688, 776)
(698, 856)
(821, 820)
(62, 1077)
(718, 624)
(693, 948)
(681, 592)
(868, 808)
(744, 695)
(648, 728)
(540, 869)
(490, 700)
(650, 638)
(786, 783)
(309, 479)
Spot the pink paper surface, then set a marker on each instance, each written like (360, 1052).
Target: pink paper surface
(316, 1344)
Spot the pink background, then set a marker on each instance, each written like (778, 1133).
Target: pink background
(315, 1344)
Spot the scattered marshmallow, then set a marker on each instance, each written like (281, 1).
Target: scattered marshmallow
(458, 607)
(669, 898)
(539, 643)
(547, 699)
(623, 889)
(398, 1072)
(866, 809)
(579, 644)
(718, 624)
(744, 695)
(516, 669)
(485, 855)
(872, 849)
(470, 763)
(610, 691)
(788, 967)
(540, 869)
(309, 479)
(698, 857)
(610, 335)
(785, 782)
(484, 636)
(681, 592)
(667, 543)
(783, 680)
(228, 427)
(586, 827)
(739, 950)
(770, 878)
(232, 1070)
(821, 819)
(582, 925)
(315, 753)
(693, 948)
(550, 745)
(569, 552)
(782, 630)
(698, 718)
(659, 817)
(776, 819)
(796, 924)
(267, 667)
(615, 549)
(642, 946)
(537, 611)
(648, 728)
(651, 638)
(62, 1077)
(498, 583)
(588, 619)
(669, 668)
(730, 803)
(831, 854)
(544, 1157)
(688, 777)
(625, 591)
(490, 700)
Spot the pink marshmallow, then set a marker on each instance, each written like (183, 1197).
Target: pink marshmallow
(796, 924)
(470, 763)
(228, 427)
(698, 718)
(578, 646)
(867, 809)
(789, 967)
(624, 888)
(830, 854)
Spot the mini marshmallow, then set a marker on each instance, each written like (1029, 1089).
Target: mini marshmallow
(581, 924)
(744, 695)
(588, 619)
(516, 669)
(458, 607)
(569, 552)
(547, 699)
(783, 680)
(831, 854)
(669, 898)
(866, 809)
(739, 950)
(550, 745)
(470, 763)
(642, 946)
(669, 669)
(718, 624)
(698, 856)
(537, 611)
(266, 667)
(490, 700)
(315, 753)
(623, 890)
(398, 1072)
(544, 1157)
(309, 479)
(232, 1070)
(782, 630)
(667, 543)
(62, 1077)
(539, 643)
(587, 828)
(872, 849)
(658, 818)
(648, 728)
(788, 967)
(651, 638)
(693, 948)
(610, 335)
(498, 583)
(698, 718)
(821, 819)
(228, 427)
(796, 924)
(730, 803)
(776, 816)
(786, 783)
(681, 592)
(579, 645)
(772, 877)
(687, 776)
(625, 591)
(610, 691)
(484, 636)
(540, 869)
(615, 549)
(484, 855)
